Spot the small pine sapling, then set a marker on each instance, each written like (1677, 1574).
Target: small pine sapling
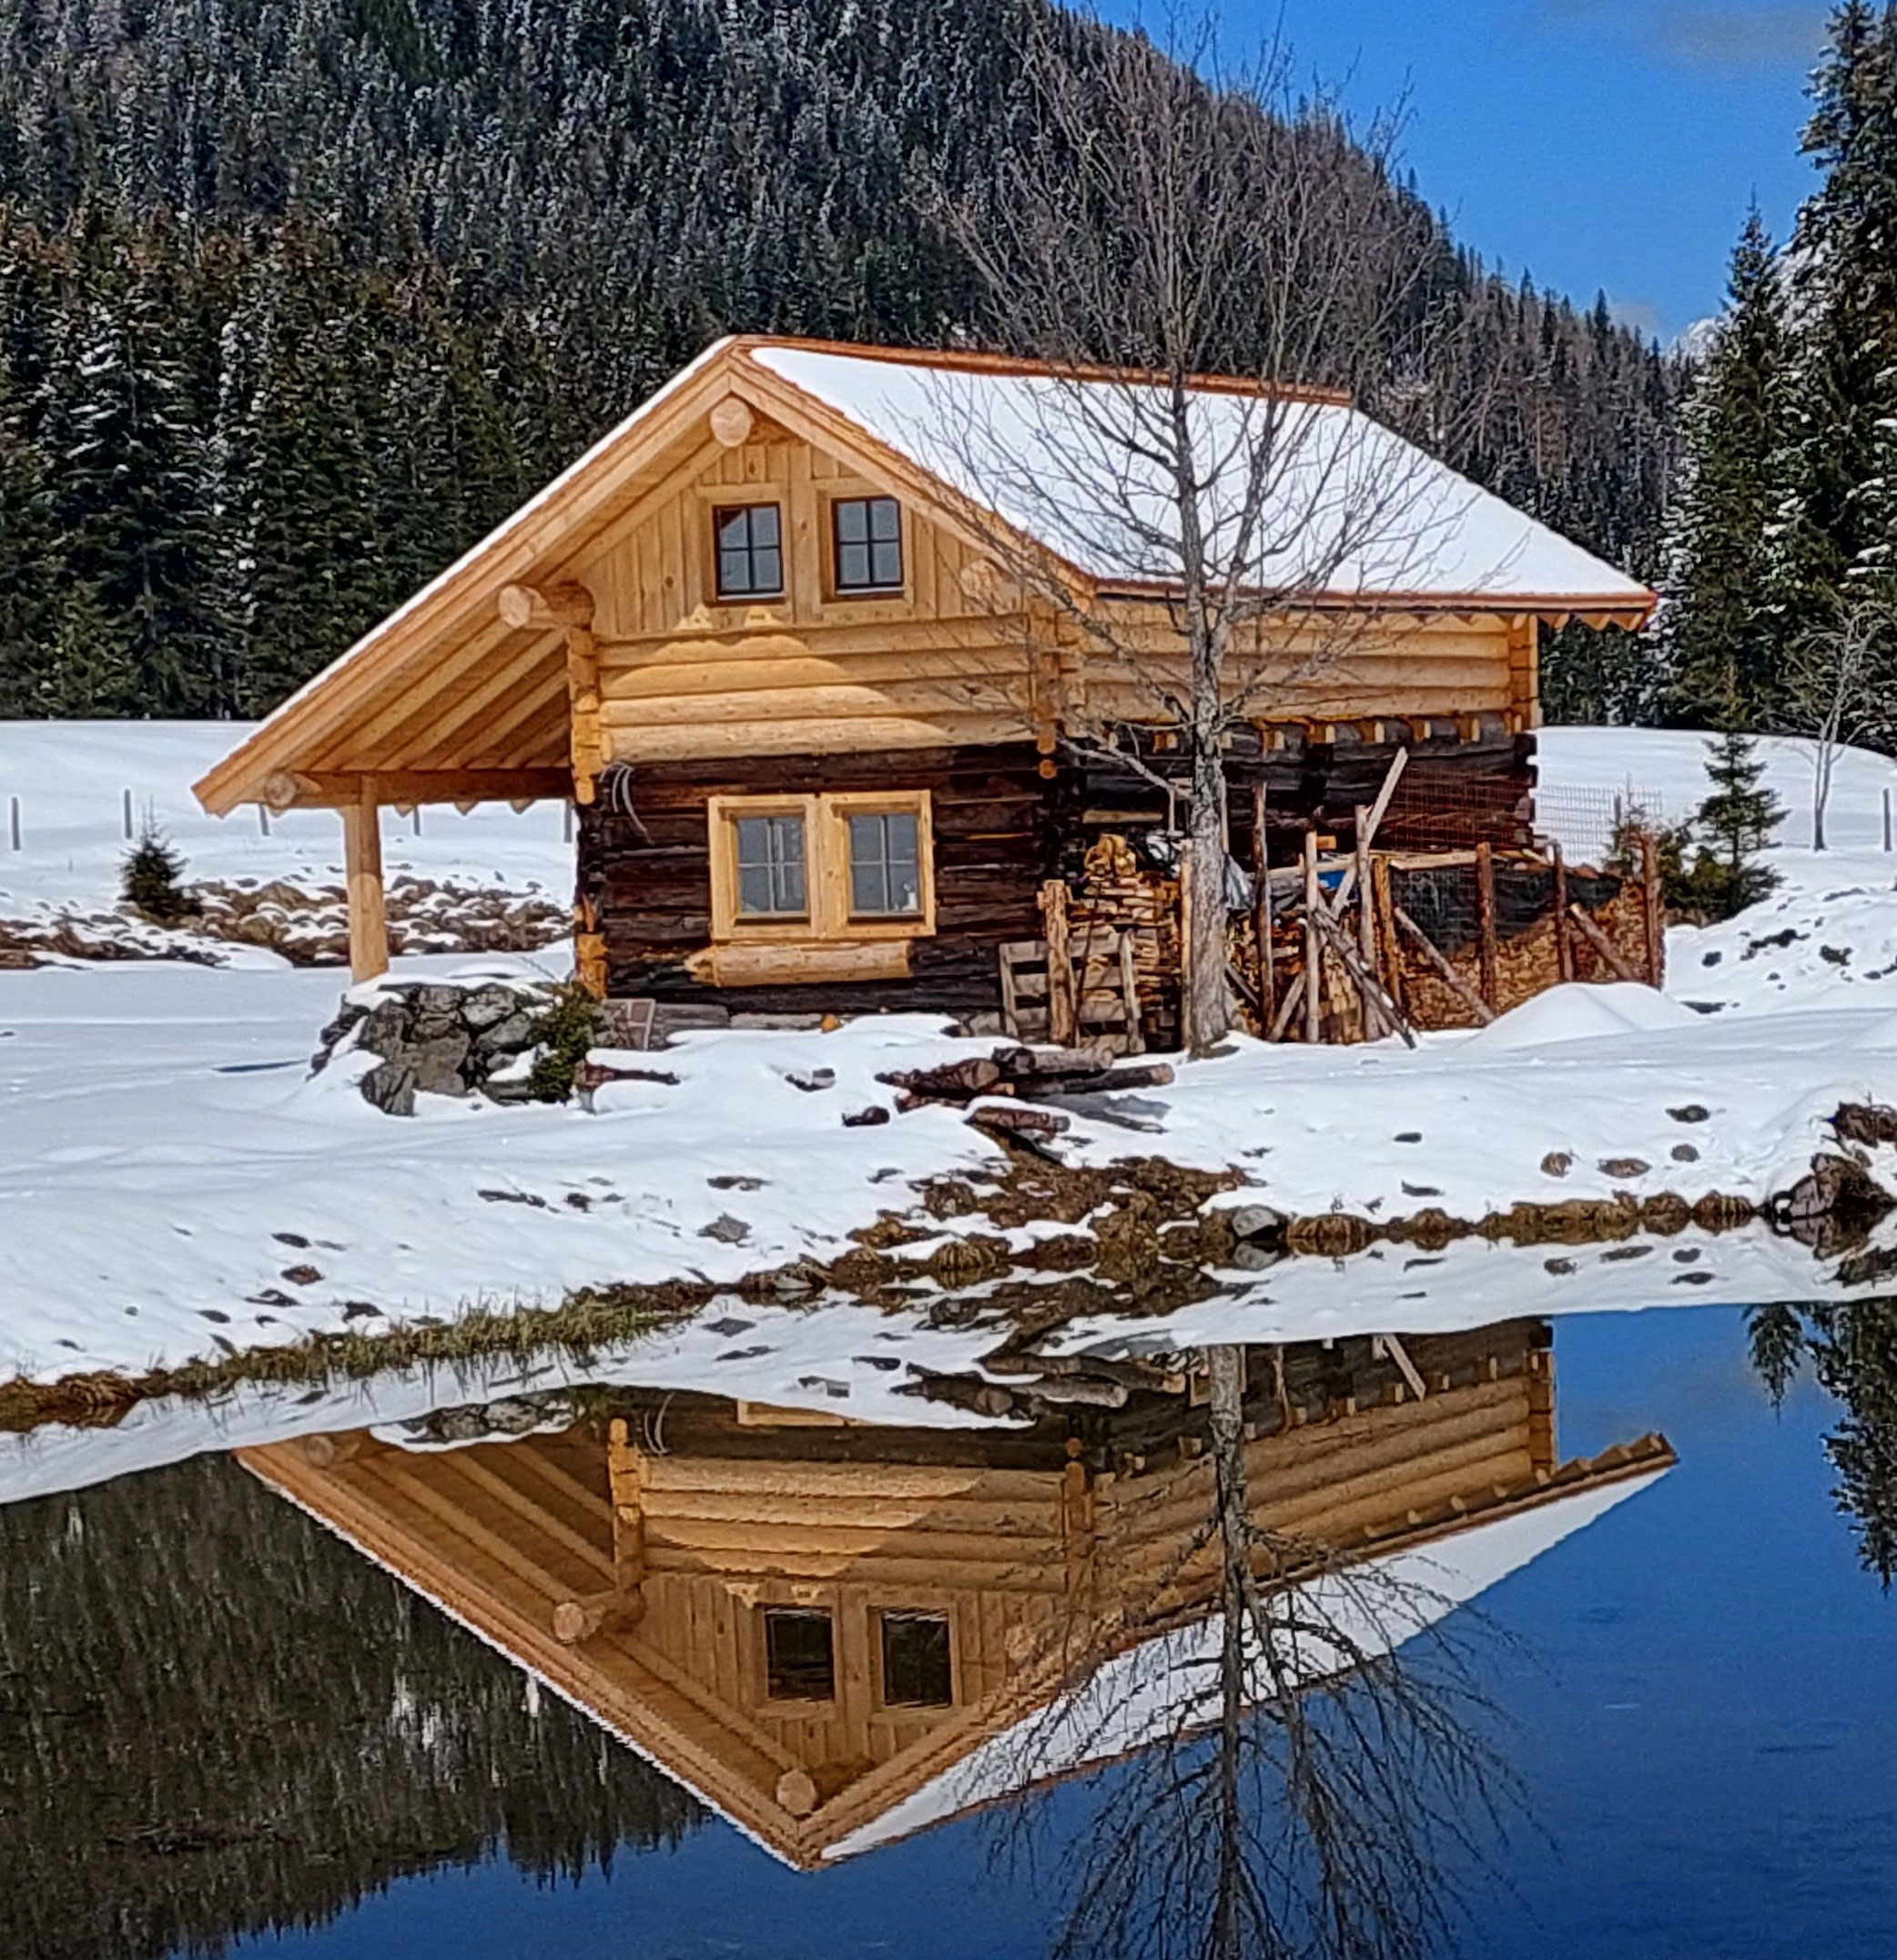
(1734, 823)
(149, 879)
(570, 1026)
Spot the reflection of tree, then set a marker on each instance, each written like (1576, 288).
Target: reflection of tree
(215, 1717)
(1308, 1759)
(1852, 1349)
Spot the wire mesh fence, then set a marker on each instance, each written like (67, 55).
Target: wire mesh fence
(1585, 819)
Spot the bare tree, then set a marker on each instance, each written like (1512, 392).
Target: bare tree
(1197, 547)
(1832, 689)
(1304, 1763)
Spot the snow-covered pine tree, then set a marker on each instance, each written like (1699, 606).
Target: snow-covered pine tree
(1835, 540)
(1718, 632)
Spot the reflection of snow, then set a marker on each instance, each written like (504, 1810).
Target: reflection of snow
(1135, 1699)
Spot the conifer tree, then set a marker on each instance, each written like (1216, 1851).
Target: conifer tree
(1718, 632)
(1734, 823)
(1835, 540)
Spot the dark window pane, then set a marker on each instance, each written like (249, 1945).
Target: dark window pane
(918, 1671)
(883, 865)
(868, 542)
(770, 865)
(750, 552)
(799, 1665)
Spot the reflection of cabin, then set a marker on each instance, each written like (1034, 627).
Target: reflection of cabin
(820, 723)
(809, 1624)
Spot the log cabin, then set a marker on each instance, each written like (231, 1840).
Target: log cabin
(835, 1632)
(830, 750)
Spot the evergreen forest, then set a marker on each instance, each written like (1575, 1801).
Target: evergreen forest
(298, 299)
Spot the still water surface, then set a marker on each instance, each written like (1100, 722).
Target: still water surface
(222, 1728)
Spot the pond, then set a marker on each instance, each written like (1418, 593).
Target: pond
(1560, 1636)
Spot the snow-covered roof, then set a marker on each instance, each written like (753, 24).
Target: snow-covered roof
(1369, 513)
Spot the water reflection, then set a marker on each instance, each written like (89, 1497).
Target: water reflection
(214, 1717)
(834, 1634)
(1851, 1348)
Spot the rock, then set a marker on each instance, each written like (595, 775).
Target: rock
(508, 1036)
(1255, 1222)
(1556, 1164)
(390, 1086)
(1624, 1167)
(866, 1119)
(726, 1230)
(1690, 1112)
(812, 1079)
(487, 1005)
(301, 1275)
(1249, 1256)
(1684, 1154)
(731, 1182)
(437, 1063)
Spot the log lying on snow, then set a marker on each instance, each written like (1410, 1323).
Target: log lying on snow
(1032, 1073)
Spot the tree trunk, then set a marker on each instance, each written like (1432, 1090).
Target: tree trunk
(1207, 1000)
(1225, 1368)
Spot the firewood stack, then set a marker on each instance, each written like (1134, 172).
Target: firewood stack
(1118, 895)
(1028, 1074)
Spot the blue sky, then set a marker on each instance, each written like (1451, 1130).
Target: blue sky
(1597, 144)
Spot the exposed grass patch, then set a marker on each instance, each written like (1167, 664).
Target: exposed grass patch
(580, 1325)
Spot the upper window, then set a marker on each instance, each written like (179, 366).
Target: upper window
(770, 867)
(918, 1668)
(869, 541)
(750, 539)
(799, 1663)
(885, 863)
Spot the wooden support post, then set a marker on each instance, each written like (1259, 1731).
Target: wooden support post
(1540, 1365)
(1604, 946)
(626, 1476)
(1450, 978)
(1564, 936)
(362, 873)
(1486, 920)
(1261, 912)
(1366, 924)
(1313, 945)
(1386, 932)
(1062, 1006)
(1656, 910)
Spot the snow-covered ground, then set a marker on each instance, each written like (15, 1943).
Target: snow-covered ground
(167, 1163)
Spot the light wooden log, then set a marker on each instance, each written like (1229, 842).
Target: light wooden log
(362, 873)
(1447, 974)
(1313, 945)
(1386, 932)
(1366, 925)
(1262, 911)
(1061, 1004)
(566, 604)
(1488, 952)
(1564, 936)
(731, 422)
(1604, 946)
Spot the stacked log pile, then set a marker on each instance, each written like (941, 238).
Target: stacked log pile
(992, 1087)
(1118, 894)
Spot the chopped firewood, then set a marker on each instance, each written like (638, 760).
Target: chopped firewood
(1007, 1119)
(953, 1082)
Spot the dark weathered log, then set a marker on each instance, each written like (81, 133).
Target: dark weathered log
(1106, 1081)
(952, 1081)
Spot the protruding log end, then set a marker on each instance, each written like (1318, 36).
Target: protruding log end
(731, 422)
(573, 1622)
(325, 1452)
(796, 1793)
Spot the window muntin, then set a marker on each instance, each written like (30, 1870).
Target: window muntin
(919, 1667)
(866, 537)
(771, 857)
(750, 551)
(799, 1655)
(885, 863)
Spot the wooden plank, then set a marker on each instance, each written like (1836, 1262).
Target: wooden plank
(1488, 952)
(1061, 977)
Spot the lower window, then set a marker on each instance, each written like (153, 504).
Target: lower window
(799, 1656)
(919, 1669)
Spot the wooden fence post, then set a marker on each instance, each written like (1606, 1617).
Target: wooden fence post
(1062, 1005)
(1563, 937)
(1366, 924)
(1486, 920)
(1262, 913)
(1387, 931)
(1656, 911)
(1313, 946)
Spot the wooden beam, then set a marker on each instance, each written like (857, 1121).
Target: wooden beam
(363, 869)
(1447, 974)
(1604, 946)
(566, 604)
(338, 792)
